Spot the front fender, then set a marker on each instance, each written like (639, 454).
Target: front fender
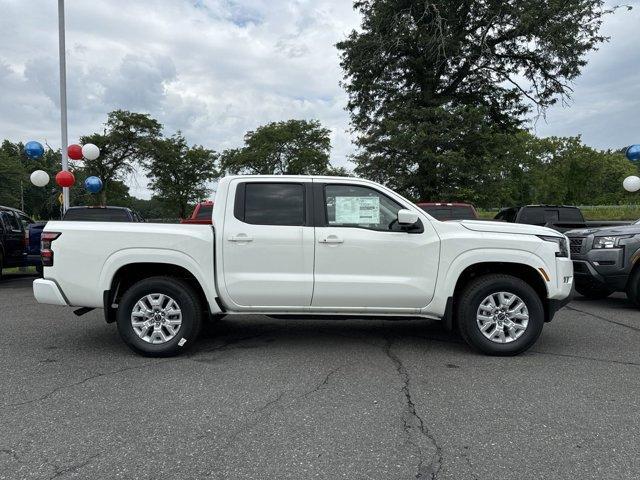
(454, 268)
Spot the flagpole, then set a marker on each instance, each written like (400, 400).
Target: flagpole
(63, 100)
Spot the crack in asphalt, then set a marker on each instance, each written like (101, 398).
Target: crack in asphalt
(262, 413)
(188, 357)
(75, 467)
(87, 379)
(410, 417)
(323, 383)
(600, 317)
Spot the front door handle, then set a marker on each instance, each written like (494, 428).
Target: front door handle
(241, 237)
(331, 239)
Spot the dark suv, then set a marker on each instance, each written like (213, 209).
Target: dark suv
(607, 260)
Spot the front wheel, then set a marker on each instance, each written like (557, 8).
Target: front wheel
(633, 288)
(159, 316)
(500, 315)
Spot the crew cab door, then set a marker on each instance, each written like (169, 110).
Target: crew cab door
(364, 259)
(14, 249)
(267, 245)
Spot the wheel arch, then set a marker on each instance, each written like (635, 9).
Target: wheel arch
(526, 272)
(125, 268)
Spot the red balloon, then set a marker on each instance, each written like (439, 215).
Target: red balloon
(75, 152)
(65, 179)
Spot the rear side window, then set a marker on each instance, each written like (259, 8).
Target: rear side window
(205, 212)
(439, 213)
(11, 221)
(571, 215)
(271, 204)
(96, 215)
(462, 213)
(533, 216)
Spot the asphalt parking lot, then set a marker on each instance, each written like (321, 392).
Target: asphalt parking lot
(268, 399)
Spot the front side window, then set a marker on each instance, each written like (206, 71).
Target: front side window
(363, 207)
(274, 204)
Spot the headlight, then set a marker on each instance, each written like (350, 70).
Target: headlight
(563, 248)
(611, 241)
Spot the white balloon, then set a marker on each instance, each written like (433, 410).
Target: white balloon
(39, 178)
(631, 184)
(90, 151)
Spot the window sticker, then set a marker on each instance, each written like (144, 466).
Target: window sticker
(358, 210)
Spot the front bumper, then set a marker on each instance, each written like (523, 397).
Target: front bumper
(48, 291)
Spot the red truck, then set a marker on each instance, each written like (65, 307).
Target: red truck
(201, 214)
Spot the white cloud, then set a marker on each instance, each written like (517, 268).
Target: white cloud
(218, 68)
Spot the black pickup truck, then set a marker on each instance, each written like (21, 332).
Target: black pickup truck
(19, 239)
(558, 217)
(607, 260)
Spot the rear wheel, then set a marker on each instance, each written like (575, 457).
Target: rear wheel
(500, 315)
(593, 290)
(159, 316)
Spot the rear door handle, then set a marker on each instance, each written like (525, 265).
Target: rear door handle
(241, 237)
(331, 239)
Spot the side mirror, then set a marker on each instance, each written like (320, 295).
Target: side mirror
(407, 217)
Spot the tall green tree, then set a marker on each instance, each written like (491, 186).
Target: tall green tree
(12, 176)
(294, 147)
(179, 174)
(125, 142)
(434, 85)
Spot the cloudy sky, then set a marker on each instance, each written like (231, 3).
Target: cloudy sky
(218, 68)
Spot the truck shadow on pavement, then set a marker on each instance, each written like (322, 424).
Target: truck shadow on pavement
(259, 332)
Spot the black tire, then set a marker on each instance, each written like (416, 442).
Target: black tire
(188, 302)
(593, 290)
(469, 301)
(633, 288)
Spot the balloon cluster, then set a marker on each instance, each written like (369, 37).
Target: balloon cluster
(632, 183)
(64, 178)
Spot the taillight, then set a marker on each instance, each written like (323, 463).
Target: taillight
(46, 254)
(26, 239)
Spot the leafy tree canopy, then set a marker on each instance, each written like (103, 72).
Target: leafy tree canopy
(179, 174)
(125, 142)
(434, 85)
(294, 147)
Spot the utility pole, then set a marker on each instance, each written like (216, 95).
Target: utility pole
(63, 101)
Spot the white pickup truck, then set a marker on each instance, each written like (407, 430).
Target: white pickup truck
(307, 245)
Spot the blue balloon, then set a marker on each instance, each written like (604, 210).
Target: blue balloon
(93, 184)
(633, 153)
(33, 149)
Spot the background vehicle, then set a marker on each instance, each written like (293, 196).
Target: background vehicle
(558, 217)
(201, 214)
(449, 211)
(607, 260)
(19, 239)
(102, 214)
(287, 245)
